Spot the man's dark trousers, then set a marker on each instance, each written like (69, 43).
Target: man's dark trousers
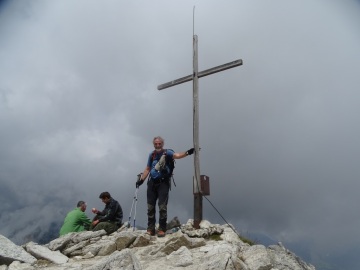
(157, 190)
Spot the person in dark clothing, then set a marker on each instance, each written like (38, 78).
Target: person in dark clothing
(159, 183)
(110, 219)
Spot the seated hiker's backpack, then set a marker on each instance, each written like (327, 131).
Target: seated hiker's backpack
(167, 171)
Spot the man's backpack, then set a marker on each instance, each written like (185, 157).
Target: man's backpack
(166, 172)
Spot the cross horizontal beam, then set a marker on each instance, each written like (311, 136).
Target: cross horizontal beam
(201, 74)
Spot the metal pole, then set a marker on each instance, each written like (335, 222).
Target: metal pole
(137, 189)
(132, 206)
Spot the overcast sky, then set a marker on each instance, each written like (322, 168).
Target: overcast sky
(79, 107)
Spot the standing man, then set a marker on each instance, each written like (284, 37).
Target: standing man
(110, 219)
(159, 166)
(76, 220)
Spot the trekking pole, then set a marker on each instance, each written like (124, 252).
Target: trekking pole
(134, 203)
(132, 206)
(137, 189)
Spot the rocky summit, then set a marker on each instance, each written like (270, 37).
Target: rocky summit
(210, 247)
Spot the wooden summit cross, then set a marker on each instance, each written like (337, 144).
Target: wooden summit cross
(194, 77)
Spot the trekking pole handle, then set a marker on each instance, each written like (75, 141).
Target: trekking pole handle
(139, 182)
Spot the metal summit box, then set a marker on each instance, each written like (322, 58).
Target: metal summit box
(205, 184)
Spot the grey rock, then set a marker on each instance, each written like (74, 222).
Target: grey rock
(83, 236)
(124, 259)
(174, 223)
(141, 241)
(124, 239)
(42, 252)
(285, 259)
(61, 242)
(10, 252)
(230, 235)
(100, 248)
(180, 258)
(178, 240)
(16, 265)
(221, 255)
(129, 249)
(206, 229)
(256, 258)
(72, 250)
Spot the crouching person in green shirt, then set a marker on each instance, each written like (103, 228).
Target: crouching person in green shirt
(76, 220)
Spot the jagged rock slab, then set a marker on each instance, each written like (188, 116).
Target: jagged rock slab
(41, 252)
(101, 248)
(75, 249)
(124, 259)
(10, 252)
(180, 258)
(16, 265)
(61, 242)
(256, 257)
(124, 239)
(284, 259)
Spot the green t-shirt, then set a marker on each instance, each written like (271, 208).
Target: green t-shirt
(75, 221)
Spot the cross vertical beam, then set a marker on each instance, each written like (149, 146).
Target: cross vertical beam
(196, 181)
(195, 78)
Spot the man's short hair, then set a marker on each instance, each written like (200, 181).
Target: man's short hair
(104, 195)
(159, 138)
(80, 203)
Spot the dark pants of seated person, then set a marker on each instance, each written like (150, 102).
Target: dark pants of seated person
(108, 226)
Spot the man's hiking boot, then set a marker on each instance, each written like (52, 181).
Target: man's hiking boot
(150, 232)
(161, 233)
